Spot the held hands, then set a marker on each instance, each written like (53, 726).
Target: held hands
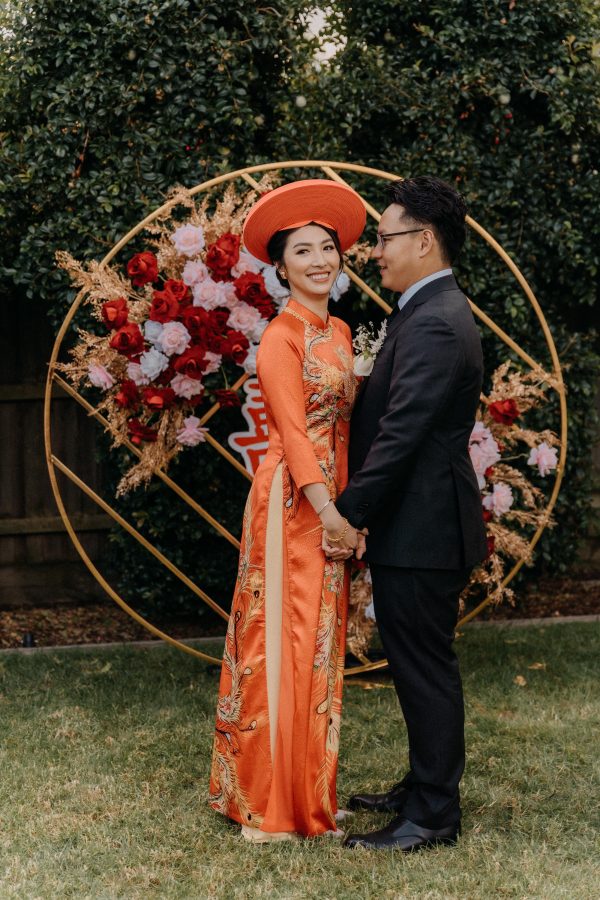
(340, 538)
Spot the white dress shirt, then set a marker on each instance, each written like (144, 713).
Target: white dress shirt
(412, 290)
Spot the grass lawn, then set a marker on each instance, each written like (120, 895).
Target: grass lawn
(104, 759)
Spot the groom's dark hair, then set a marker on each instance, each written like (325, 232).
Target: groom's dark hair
(428, 200)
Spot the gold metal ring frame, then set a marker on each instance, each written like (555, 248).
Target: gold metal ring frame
(331, 170)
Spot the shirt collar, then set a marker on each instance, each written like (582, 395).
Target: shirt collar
(412, 290)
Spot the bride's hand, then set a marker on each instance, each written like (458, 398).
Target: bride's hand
(332, 551)
(339, 532)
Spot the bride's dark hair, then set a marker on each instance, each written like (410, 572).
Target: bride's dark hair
(277, 244)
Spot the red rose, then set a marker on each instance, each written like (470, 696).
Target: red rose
(191, 363)
(491, 544)
(128, 340)
(179, 290)
(115, 313)
(139, 433)
(227, 399)
(250, 287)
(158, 398)
(142, 268)
(206, 327)
(128, 395)
(234, 347)
(165, 377)
(222, 255)
(504, 411)
(487, 515)
(165, 307)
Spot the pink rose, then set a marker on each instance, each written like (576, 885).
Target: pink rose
(186, 387)
(135, 374)
(193, 272)
(214, 362)
(500, 500)
(192, 433)
(174, 338)
(100, 377)
(483, 450)
(246, 263)
(544, 457)
(210, 294)
(244, 318)
(188, 240)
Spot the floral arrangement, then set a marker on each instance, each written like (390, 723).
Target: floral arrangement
(183, 319)
(500, 447)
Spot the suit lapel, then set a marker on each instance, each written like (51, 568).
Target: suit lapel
(447, 283)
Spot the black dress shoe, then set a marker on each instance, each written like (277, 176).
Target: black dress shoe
(402, 834)
(393, 801)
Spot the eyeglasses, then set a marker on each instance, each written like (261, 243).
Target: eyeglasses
(381, 238)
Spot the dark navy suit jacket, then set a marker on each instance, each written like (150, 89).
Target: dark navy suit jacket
(412, 483)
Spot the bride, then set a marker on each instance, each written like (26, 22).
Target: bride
(276, 741)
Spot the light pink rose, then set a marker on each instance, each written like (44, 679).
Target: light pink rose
(188, 240)
(483, 451)
(249, 364)
(100, 377)
(186, 387)
(544, 457)
(500, 500)
(174, 338)
(192, 433)
(244, 318)
(245, 263)
(209, 294)
(213, 361)
(193, 272)
(134, 371)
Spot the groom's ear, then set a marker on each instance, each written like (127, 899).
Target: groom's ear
(428, 242)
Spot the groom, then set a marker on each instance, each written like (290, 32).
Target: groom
(414, 488)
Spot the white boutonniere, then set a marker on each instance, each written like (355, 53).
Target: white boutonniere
(367, 345)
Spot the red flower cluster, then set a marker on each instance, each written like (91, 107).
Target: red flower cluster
(171, 301)
(250, 287)
(222, 256)
(143, 269)
(504, 411)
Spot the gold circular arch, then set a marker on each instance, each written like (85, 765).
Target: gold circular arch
(331, 170)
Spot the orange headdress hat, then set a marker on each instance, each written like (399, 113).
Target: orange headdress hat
(296, 204)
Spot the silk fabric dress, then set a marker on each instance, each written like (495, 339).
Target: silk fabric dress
(275, 752)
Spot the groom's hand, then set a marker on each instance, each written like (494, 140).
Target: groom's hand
(362, 543)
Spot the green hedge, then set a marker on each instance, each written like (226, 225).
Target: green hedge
(106, 106)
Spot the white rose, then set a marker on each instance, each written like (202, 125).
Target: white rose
(174, 338)
(363, 365)
(152, 331)
(153, 362)
(340, 286)
(188, 240)
(276, 290)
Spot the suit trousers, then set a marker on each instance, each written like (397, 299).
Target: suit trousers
(416, 612)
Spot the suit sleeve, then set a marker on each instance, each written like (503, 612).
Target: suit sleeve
(423, 374)
(279, 370)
